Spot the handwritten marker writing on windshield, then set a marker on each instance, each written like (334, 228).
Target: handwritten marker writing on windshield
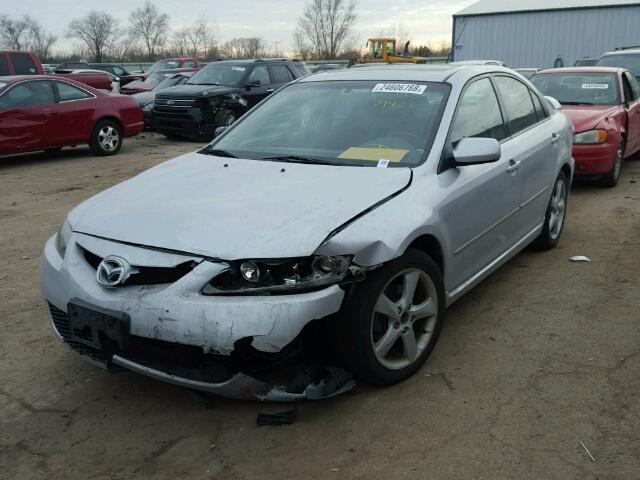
(383, 163)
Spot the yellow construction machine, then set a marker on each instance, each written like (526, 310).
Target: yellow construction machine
(383, 50)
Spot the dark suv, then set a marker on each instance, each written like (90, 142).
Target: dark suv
(219, 94)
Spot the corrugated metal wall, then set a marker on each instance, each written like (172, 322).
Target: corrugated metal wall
(536, 39)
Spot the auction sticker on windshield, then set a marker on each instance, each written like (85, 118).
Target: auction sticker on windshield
(595, 86)
(399, 88)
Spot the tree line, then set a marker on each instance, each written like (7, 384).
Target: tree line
(325, 30)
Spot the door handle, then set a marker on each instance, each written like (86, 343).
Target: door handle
(555, 138)
(271, 90)
(513, 165)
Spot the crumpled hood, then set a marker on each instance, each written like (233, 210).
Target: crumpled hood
(197, 91)
(248, 209)
(587, 117)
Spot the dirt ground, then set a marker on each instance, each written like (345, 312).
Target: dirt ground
(545, 354)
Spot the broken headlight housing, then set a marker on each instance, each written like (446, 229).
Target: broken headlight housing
(62, 238)
(279, 276)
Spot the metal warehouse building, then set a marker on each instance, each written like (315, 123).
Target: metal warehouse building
(528, 33)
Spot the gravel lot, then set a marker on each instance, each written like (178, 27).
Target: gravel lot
(545, 354)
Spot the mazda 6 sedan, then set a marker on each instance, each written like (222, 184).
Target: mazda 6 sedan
(320, 238)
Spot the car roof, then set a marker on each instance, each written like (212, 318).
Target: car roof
(625, 51)
(589, 69)
(20, 78)
(407, 72)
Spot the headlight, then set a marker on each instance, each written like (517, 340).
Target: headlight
(62, 238)
(278, 276)
(590, 137)
(148, 107)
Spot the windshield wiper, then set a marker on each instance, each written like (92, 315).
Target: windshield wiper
(576, 103)
(219, 153)
(301, 159)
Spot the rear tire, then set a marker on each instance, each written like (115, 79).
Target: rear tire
(391, 322)
(611, 179)
(555, 217)
(106, 139)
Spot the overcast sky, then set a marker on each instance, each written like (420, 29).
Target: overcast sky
(274, 20)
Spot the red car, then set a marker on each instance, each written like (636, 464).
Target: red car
(604, 106)
(146, 85)
(41, 112)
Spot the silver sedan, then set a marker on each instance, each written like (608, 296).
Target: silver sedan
(323, 234)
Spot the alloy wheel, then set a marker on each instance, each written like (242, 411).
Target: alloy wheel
(558, 209)
(108, 138)
(404, 319)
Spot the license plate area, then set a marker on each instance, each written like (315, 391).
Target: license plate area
(96, 327)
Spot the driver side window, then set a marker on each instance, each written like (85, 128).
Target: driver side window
(478, 114)
(260, 74)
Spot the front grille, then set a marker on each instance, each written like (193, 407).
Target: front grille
(63, 327)
(148, 275)
(174, 104)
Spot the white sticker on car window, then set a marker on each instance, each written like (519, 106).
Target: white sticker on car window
(399, 88)
(595, 86)
(383, 163)
(238, 69)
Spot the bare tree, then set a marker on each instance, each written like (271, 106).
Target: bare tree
(326, 25)
(97, 30)
(15, 34)
(202, 37)
(151, 26)
(301, 46)
(251, 47)
(41, 41)
(179, 45)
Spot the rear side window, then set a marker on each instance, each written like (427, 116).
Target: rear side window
(23, 64)
(517, 104)
(4, 66)
(538, 106)
(119, 71)
(260, 74)
(189, 64)
(68, 92)
(280, 74)
(27, 94)
(478, 114)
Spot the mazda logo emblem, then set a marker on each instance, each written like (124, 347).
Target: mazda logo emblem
(113, 271)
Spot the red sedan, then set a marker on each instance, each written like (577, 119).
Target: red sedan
(604, 106)
(39, 112)
(151, 81)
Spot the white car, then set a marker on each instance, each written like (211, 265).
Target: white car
(329, 227)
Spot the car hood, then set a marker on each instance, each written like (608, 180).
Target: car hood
(246, 209)
(191, 91)
(143, 98)
(587, 117)
(138, 85)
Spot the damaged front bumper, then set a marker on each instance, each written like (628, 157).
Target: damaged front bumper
(177, 314)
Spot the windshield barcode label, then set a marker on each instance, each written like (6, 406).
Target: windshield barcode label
(399, 88)
(595, 86)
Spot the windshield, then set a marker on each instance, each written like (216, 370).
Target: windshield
(364, 123)
(169, 82)
(164, 65)
(228, 75)
(579, 88)
(627, 61)
(155, 78)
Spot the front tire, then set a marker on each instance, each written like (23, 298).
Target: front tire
(392, 321)
(106, 138)
(555, 216)
(225, 118)
(611, 179)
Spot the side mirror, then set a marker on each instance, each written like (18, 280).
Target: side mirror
(475, 151)
(555, 104)
(218, 131)
(253, 83)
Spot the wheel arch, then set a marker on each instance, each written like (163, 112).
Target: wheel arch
(429, 244)
(113, 118)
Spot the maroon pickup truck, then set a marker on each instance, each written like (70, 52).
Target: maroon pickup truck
(14, 62)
